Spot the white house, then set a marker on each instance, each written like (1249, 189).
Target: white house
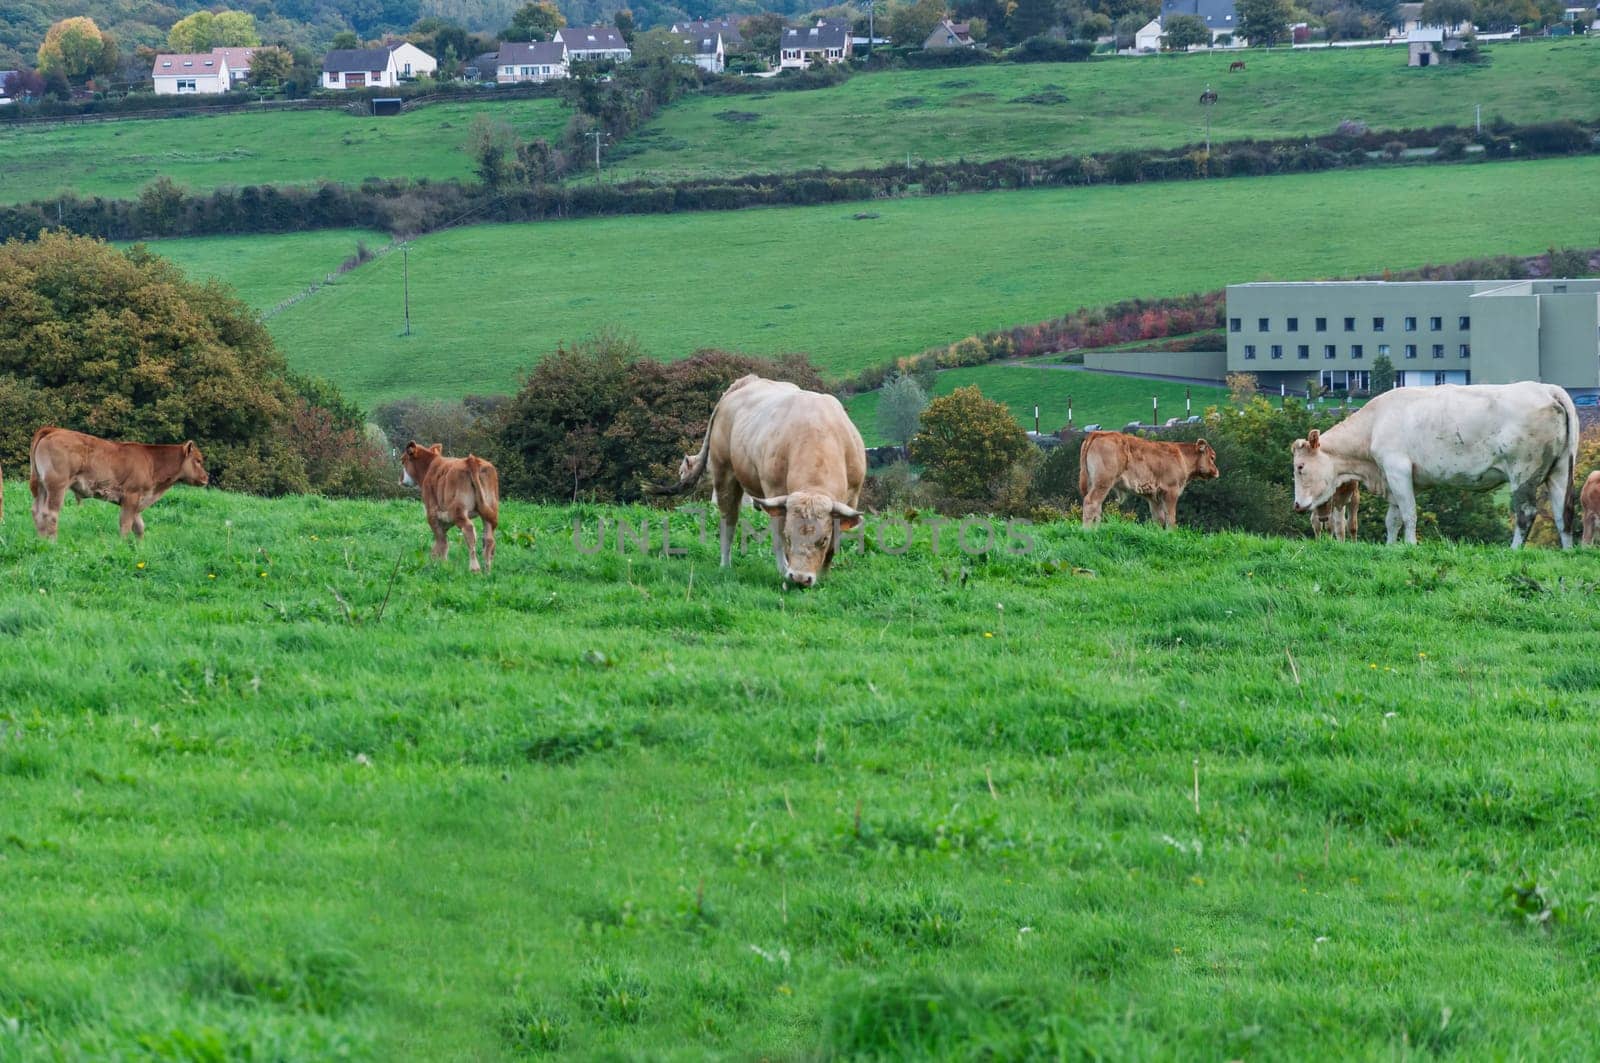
(949, 34)
(706, 51)
(183, 73)
(1148, 37)
(533, 61)
(590, 43)
(238, 63)
(1218, 15)
(829, 41)
(1408, 17)
(732, 38)
(385, 67)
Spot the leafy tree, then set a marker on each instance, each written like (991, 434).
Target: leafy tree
(203, 31)
(623, 20)
(1028, 18)
(912, 23)
(120, 344)
(1446, 12)
(1182, 31)
(270, 67)
(346, 39)
(495, 148)
(76, 48)
(658, 44)
(1382, 373)
(24, 83)
(967, 443)
(900, 407)
(1263, 22)
(1093, 26)
(1127, 28)
(534, 22)
(763, 32)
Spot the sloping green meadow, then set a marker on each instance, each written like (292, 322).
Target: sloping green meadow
(487, 301)
(1128, 794)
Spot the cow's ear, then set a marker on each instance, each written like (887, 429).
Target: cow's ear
(850, 523)
(437, 448)
(1314, 440)
(188, 446)
(1201, 443)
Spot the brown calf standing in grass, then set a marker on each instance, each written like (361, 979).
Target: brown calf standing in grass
(1156, 472)
(454, 490)
(1591, 507)
(131, 475)
(1337, 516)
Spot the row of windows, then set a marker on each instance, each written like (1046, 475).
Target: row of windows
(1292, 324)
(1357, 350)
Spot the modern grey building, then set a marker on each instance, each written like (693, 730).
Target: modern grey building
(1434, 332)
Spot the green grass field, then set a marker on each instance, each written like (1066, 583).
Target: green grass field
(489, 300)
(295, 147)
(1104, 398)
(268, 268)
(1131, 795)
(1052, 109)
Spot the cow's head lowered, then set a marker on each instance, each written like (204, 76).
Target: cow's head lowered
(1205, 462)
(811, 524)
(1315, 475)
(414, 462)
(192, 469)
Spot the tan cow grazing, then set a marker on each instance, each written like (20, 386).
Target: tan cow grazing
(797, 456)
(132, 475)
(1337, 516)
(1128, 465)
(454, 490)
(1590, 498)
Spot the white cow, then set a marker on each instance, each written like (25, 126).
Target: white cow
(1475, 436)
(797, 455)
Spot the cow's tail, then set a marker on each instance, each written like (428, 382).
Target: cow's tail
(1574, 431)
(35, 484)
(486, 482)
(697, 465)
(1083, 466)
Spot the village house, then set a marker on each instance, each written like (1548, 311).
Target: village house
(533, 61)
(829, 41)
(949, 34)
(594, 43)
(1431, 46)
(706, 52)
(1148, 37)
(1218, 15)
(182, 73)
(238, 60)
(384, 67)
(732, 38)
(1408, 17)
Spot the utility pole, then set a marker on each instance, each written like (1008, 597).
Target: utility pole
(870, 32)
(1479, 108)
(405, 273)
(599, 136)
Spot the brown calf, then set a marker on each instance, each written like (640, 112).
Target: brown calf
(454, 490)
(1590, 498)
(132, 475)
(1156, 472)
(1337, 516)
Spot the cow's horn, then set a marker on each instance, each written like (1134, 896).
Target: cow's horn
(842, 510)
(770, 504)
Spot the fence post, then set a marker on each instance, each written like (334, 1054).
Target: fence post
(1155, 409)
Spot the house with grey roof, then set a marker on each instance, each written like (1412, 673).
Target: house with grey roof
(587, 44)
(829, 41)
(732, 38)
(383, 67)
(1218, 15)
(706, 51)
(535, 61)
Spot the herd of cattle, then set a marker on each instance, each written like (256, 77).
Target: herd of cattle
(798, 457)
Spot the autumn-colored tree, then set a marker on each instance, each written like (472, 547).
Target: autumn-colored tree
(76, 48)
(967, 443)
(120, 344)
(270, 67)
(914, 22)
(534, 22)
(205, 30)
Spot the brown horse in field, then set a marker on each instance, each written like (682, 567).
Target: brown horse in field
(1236, 65)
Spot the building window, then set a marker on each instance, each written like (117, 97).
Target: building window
(1383, 350)
(1249, 352)
(1294, 324)
(1435, 324)
(1349, 324)
(1264, 324)
(1328, 350)
(1355, 350)
(1466, 350)
(1464, 323)
(1304, 350)
(1438, 378)
(1377, 324)
(1411, 324)
(1322, 324)
(1277, 350)
(1411, 350)
(1438, 350)
(1235, 325)
(185, 85)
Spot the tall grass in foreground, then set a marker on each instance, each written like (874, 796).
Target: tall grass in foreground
(1131, 794)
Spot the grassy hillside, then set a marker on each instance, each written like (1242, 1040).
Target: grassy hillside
(642, 806)
(269, 268)
(1109, 400)
(118, 158)
(489, 300)
(1052, 109)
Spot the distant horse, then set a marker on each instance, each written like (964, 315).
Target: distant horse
(1208, 96)
(1237, 64)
